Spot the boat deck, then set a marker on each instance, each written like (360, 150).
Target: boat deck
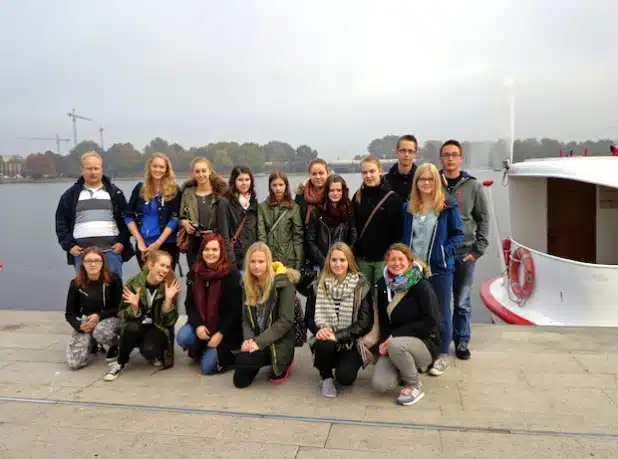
(547, 392)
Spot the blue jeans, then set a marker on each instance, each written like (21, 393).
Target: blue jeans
(187, 338)
(113, 261)
(462, 288)
(443, 286)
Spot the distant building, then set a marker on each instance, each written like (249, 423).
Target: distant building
(10, 166)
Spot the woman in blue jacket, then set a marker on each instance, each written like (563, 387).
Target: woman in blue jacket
(433, 230)
(152, 213)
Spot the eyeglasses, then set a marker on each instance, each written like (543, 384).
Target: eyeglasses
(407, 150)
(93, 262)
(426, 179)
(450, 155)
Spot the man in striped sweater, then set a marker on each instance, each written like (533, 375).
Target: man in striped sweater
(90, 214)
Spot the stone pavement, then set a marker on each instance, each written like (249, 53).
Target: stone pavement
(527, 391)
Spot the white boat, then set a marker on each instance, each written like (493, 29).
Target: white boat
(561, 261)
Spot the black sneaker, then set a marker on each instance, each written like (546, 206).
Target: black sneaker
(112, 354)
(462, 352)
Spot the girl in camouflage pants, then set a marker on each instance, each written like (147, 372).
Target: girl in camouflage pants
(92, 305)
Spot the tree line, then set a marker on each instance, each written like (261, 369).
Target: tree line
(124, 160)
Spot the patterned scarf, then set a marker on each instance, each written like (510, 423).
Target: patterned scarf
(403, 282)
(313, 197)
(334, 304)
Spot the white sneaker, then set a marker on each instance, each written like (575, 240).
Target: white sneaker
(328, 388)
(114, 371)
(439, 366)
(157, 363)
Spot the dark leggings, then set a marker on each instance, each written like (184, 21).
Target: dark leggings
(248, 365)
(345, 363)
(170, 248)
(151, 341)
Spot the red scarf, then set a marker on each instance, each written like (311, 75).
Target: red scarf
(334, 216)
(208, 308)
(313, 197)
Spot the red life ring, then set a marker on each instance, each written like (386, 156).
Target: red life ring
(520, 289)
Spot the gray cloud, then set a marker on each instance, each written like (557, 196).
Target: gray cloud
(331, 74)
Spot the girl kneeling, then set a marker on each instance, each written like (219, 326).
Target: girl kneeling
(149, 313)
(409, 325)
(92, 304)
(213, 304)
(267, 318)
(339, 311)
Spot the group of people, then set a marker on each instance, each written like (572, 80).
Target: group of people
(378, 269)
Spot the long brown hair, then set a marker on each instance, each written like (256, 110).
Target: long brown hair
(287, 198)
(345, 192)
(223, 264)
(217, 183)
(82, 280)
(232, 191)
(169, 188)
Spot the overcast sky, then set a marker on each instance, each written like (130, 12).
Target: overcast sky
(333, 74)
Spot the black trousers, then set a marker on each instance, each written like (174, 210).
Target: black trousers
(151, 341)
(346, 363)
(193, 250)
(248, 365)
(170, 248)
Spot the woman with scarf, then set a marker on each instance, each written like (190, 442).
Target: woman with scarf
(213, 304)
(240, 210)
(409, 326)
(331, 222)
(339, 311)
(310, 194)
(279, 223)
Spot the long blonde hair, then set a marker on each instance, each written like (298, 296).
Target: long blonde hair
(349, 255)
(367, 159)
(254, 294)
(169, 188)
(416, 201)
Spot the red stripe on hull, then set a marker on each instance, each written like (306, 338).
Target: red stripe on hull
(496, 307)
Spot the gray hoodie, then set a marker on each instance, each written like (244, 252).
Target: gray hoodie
(469, 194)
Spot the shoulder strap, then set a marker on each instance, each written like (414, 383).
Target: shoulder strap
(272, 228)
(373, 212)
(239, 230)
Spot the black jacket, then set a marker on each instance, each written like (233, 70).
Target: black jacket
(65, 217)
(386, 226)
(167, 210)
(400, 183)
(319, 237)
(233, 213)
(230, 310)
(415, 315)
(363, 313)
(96, 298)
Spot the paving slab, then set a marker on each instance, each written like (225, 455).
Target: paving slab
(522, 391)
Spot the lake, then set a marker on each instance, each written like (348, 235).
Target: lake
(36, 276)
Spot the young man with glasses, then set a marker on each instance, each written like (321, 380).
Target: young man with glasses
(399, 177)
(468, 192)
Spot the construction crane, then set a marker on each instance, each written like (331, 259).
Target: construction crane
(74, 117)
(58, 139)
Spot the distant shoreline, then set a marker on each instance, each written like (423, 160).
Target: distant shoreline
(136, 178)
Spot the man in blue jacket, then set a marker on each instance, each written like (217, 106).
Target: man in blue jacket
(468, 192)
(90, 213)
